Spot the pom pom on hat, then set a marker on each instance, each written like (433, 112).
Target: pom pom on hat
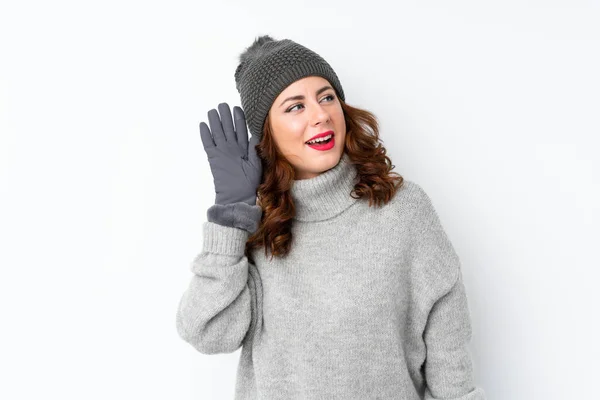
(254, 49)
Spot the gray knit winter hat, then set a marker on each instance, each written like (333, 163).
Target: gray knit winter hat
(267, 67)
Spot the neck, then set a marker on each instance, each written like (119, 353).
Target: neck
(327, 194)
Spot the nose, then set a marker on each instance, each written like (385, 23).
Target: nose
(320, 115)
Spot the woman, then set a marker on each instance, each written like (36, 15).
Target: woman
(339, 282)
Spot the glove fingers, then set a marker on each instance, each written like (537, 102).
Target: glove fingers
(241, 129)
(216, 128)
(207, 140)
(227, 123)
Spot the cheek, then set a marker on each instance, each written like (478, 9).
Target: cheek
(340, 122)
(289, 131)
(294, 131)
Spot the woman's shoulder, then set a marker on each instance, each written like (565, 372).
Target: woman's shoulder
(410, 202)
(409, 194)
(402, 206)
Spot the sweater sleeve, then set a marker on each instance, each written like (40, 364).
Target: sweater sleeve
(219, 310)
(448, 367)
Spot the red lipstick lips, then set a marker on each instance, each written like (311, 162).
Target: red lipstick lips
(320, 135)
(323, 145)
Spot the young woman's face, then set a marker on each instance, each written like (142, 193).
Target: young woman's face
(306, 108)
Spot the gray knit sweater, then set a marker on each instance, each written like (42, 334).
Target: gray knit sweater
(369, 304)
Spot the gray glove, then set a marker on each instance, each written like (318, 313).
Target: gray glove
(236, 168)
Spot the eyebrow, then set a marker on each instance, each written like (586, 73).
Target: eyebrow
(301, 97)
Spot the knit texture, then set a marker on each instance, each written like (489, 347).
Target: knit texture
(369, 304)
(267, 67)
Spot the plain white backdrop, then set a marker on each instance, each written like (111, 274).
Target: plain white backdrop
(493, 107)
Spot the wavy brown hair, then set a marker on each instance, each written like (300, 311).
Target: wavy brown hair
(365, 151)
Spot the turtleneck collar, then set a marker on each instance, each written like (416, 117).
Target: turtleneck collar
(327, 194)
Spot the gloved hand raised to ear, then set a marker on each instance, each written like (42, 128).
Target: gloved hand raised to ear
(236, 168)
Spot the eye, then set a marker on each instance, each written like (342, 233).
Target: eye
(292, 107)
(332, 97)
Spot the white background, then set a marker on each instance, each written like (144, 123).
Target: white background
(104, 185)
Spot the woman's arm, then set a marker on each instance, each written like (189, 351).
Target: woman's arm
(219, 309)
(448, 366)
